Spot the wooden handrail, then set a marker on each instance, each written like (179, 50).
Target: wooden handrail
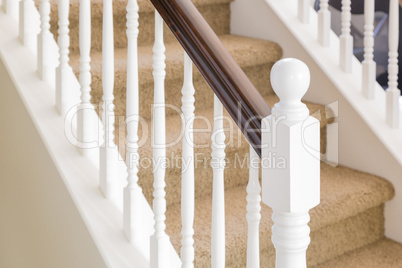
(238, 95)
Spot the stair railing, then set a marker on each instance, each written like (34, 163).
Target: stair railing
(131, 211)
(393, 110)
(291, 188)
(160, 240)
(11, 7)
(187, 183)
(392, 103)
(45, 69)
(85, 130)
(64, 69)
(27, 33)
(240, 98)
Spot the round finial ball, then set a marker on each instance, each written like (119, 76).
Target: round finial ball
(290, 79)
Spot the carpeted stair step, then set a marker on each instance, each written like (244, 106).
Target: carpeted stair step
(256, 58)
(384, 253)
(215, 12)
(350, 216)
(237, 151)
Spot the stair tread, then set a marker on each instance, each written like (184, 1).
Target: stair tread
(246, 51)
(144, 5)
(215, 12)
(344, 193)
(383, 253)
(253, 55)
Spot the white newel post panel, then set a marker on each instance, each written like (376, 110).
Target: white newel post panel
(253, 212)
(290, 163)
(45, 68)
(108, 152)
(392, 92)
(27, 31)
(218, 163)
(132, 207)
(159, 240)
(368, 65)
(63, 71)
(85, 130)
(346, 39)
(324, 23)
(304, 10)
(187, 173)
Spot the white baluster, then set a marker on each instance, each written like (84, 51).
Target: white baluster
(187, 173)
(346, 39)
(10, 7)
(392, 92)
(324, 23)
(253, 212)
(85, 128)
(291, 237)
(45, 68)
(159, 240)
(27, 30)
(132, 193)
(304, 10)
(63, 71)
(218, 190)
(369, 65)
(108, 152)
(290, 186)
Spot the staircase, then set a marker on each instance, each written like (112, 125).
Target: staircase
(347, 228)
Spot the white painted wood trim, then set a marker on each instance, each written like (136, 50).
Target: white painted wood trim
(304, 10)
(324, 23)
(27, 30)
(253, 211)
(346, 39)
(108, 153)
(218, 191)
(85, 129)
(369, 65)
(132, 212)
(187, 174)
(290, 186)
(63, 96)
(45, 69)
(159, 240)
(393, 110)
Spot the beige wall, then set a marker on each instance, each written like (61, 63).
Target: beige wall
(39, 224)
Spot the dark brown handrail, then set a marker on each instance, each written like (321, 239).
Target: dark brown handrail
(238, 95)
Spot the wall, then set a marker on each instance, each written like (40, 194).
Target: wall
(40, 225)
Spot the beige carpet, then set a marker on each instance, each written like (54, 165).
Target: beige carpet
(349, 219)
(384, 253)
(347, 228)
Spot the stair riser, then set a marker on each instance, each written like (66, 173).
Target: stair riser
(346, 235)
(218, 17)
(328, 242)
(203, 95)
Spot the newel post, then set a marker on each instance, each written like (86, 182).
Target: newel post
(290, 163)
